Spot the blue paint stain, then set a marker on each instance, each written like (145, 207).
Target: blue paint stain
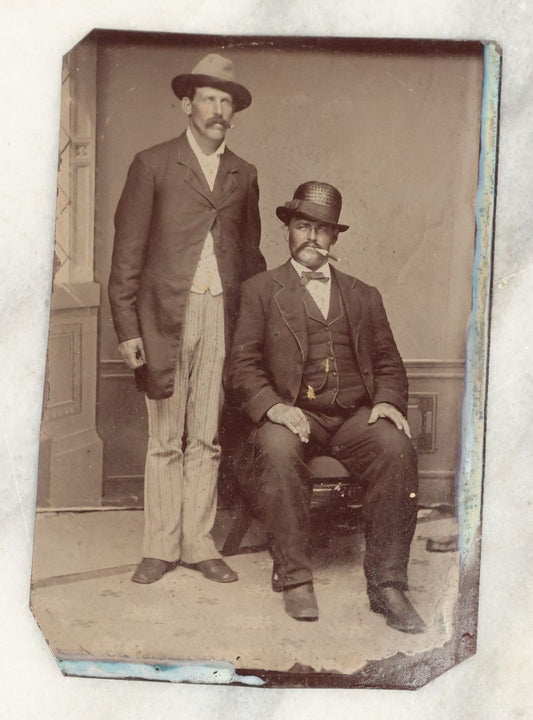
(218, 673)
(470, 475)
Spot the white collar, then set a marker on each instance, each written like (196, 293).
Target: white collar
(300, 269)
(197, 150)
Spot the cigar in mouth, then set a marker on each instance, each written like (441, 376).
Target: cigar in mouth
(325, 253)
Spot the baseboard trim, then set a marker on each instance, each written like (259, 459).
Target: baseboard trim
(436, 488)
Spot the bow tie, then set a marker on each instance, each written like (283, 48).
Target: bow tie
(307, 276)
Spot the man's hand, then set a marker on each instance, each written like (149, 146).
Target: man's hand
(292, 417)
(386, 410)
(132, 352)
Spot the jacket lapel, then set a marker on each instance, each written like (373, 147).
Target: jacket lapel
(225, 182)
(352, 302)
(194, 175)
(290, 304)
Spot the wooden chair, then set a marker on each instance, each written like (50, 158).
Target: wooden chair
(336, 498)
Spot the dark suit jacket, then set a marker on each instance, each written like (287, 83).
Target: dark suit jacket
(162, 219)
(270, 342)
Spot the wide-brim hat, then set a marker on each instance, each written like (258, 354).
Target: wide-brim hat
(315, 201)
(213, 71)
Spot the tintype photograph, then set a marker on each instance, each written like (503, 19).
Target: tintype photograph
(261, 456)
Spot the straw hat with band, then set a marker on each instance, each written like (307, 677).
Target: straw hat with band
(315, 201)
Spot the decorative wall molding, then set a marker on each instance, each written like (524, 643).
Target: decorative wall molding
(82, 149)
(77, 295)
(422, 416)
(437, 474)
(64, 377)
(415, 368)
(74, 241)
(114, 369)
(447, 369)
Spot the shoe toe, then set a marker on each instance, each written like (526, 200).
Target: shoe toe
(300, 602)
(398, 611)
(217, 570)
(151, 570)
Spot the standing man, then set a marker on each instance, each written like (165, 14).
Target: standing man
(316, 369)
(187, 234)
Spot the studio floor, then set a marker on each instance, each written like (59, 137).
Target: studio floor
(87, 606)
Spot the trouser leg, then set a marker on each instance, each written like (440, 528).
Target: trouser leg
(279, 493)
(163, 476)
(180, 487)
(385, 460)
(202, 448)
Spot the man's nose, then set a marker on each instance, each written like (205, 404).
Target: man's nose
(312, 233)
(217, 107)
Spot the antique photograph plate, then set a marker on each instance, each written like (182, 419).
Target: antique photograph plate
(408, 132)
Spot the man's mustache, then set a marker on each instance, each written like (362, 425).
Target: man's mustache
(315, 246)
(218, 121)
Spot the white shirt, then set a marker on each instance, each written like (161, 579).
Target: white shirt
(319, 291)
(206, 276)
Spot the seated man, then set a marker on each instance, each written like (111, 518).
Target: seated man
(315, 367)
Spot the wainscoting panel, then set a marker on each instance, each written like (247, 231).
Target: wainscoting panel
(64, 359)
(123, 426)
(70, 460)
(434, 414)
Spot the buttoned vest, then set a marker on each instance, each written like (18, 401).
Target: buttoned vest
(331, 373)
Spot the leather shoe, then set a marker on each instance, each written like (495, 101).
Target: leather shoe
(214, 569)
(149, 570)
(300, 602)
(397, 609)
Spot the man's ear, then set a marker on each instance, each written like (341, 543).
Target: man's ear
(186, 105)
(335, 237)
(286, 232)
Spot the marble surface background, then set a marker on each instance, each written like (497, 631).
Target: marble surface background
(496, 681)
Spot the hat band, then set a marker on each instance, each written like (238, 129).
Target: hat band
(320, 212)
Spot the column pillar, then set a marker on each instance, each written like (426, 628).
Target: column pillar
(70, 465)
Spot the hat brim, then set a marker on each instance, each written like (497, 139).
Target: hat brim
(181, 85)
(285, 214)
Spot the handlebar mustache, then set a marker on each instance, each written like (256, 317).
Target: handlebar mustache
(218, 121)
(320, 250)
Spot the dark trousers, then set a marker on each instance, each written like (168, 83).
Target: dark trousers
(382, 457)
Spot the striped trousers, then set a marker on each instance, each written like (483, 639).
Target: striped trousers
(183, 456)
